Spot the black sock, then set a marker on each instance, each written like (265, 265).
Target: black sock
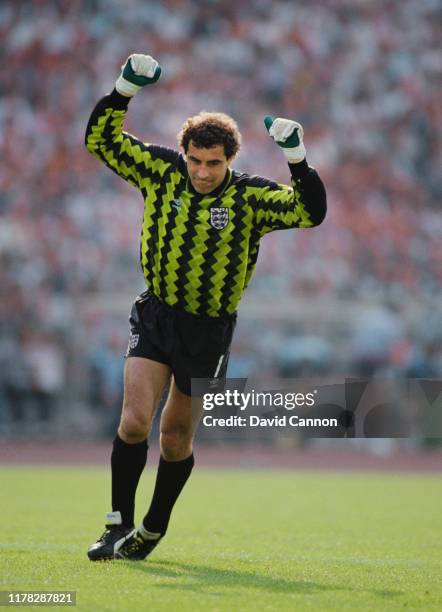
(127, 463)
(171, 478)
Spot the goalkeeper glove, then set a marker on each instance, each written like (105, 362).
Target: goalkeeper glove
(288, 135)
(138, 71)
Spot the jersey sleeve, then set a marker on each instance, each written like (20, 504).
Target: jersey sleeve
(139, 163)
(301, 205)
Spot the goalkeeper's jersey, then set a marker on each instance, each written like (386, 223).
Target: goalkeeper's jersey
(198, 252)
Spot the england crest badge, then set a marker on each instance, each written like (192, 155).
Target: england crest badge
(219, 217)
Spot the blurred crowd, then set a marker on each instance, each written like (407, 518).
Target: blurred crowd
(362, 76)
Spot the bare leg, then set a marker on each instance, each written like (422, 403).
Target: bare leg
(179, 422)
(144, 381)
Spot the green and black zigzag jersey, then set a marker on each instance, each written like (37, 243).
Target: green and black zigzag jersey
(198, 252)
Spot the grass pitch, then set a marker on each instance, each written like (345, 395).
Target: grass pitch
(243, 540)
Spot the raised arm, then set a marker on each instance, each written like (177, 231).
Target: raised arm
(133, 160)
(303, 204)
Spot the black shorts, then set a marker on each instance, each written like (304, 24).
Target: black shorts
(193, 346)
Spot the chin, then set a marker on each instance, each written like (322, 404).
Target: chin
(203, 188)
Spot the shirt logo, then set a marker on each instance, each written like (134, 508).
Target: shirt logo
(133, 341)
(219, 217)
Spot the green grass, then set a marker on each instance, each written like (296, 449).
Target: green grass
(243, 540)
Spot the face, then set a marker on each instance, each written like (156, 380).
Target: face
(206, 167)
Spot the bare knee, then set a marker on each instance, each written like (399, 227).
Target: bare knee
(133, 427)
(176, 444)
(144, 381)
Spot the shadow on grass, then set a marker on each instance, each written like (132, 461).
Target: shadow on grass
(206, 576)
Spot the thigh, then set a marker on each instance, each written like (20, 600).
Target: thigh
(181, 413)
(144, 382)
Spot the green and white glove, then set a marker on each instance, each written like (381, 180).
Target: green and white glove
(288, 135)
(138, 71)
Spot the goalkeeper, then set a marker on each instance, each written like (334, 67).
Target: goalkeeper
(201, 231)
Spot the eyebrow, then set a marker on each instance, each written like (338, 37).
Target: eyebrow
(209, 161)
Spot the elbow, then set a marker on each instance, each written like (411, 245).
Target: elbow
(87, 142)
(321, 206)
(315, 199)
(90, 145)
(90, 138)
(320, 216)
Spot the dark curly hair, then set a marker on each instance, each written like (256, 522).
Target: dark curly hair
(206, 130)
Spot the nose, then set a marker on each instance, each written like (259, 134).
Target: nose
(202, 173)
